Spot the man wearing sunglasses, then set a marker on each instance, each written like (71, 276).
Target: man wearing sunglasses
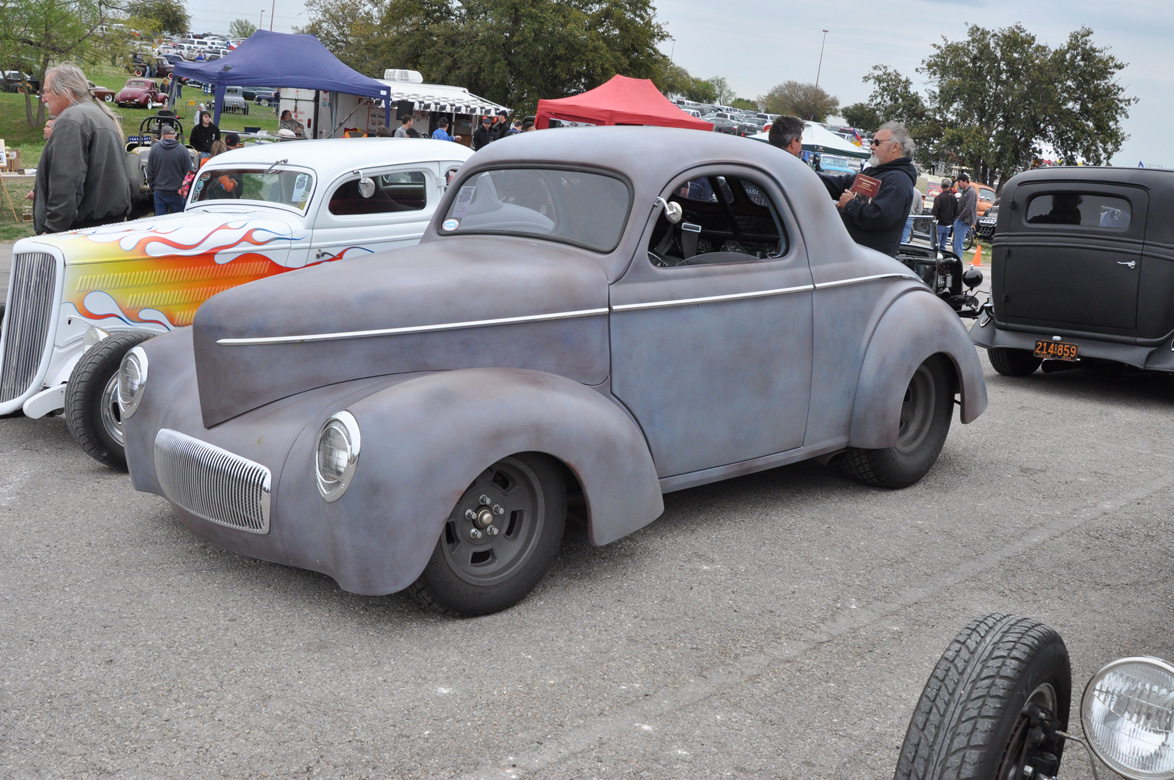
(878, 222)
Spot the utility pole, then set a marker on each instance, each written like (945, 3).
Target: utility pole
(820, 68)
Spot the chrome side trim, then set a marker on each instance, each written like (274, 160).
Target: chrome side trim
(213, 483)
(713, 298)
(359, 334)
(862, 279)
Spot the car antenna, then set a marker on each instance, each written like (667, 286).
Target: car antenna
(269, 170)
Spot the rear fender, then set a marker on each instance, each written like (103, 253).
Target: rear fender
(427, 439)
(915, 327)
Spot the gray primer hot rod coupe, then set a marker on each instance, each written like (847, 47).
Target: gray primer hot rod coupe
(593, 318)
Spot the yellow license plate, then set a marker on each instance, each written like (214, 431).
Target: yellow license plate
(1055, 350)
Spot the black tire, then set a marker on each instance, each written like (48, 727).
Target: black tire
(973, 718)
(1013, 362)
(91, 398)
(968, 243)
(467, 576)
(925, 420)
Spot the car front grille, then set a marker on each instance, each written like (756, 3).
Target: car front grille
(213, 483)
(26, 323)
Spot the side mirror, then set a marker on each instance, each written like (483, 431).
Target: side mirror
(366, 187)
(672, 211)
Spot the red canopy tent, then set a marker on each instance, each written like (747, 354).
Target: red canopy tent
(620, 101)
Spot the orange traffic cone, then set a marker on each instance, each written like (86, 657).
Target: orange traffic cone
(977, 261)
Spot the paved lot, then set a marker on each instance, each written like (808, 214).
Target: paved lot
(779, 625)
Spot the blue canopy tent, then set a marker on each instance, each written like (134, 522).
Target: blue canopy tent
(282, 60)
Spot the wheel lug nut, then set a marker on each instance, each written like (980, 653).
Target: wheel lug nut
(475, 533)
(485, 501)
(470, 514)
(498, 510)
(491, 530)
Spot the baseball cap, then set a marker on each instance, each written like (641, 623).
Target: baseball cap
(486, 119)
(232, 140)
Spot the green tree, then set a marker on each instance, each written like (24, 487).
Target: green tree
(241, 28)
(861, 115)
(511, 51)
(806, 101)
(166, 17)
(36, 34)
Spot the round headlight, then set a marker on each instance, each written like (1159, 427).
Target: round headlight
(1127, 713)
(132, 381)
(336, 455)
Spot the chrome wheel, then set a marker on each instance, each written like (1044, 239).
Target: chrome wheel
(111, 414)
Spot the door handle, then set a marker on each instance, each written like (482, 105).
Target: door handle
(1130, 263)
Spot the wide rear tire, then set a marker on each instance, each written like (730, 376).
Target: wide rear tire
(1013, 362)
(977, 710)
(91, 398)
(499, 541)
(926, 410)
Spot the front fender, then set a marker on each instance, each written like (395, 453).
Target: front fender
(915, 327)
(426, 440)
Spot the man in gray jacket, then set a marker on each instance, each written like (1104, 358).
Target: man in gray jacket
(967, 212)
(81, 178)
(167, 164)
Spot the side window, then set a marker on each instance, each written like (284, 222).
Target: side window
(394, 192)
(725, 219)
(1075, 208)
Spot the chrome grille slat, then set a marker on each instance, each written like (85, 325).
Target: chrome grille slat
(212, 483)
(26, 322)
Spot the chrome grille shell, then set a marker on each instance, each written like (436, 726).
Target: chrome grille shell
(213, 483)
(28, 320)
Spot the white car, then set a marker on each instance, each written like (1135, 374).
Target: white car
(251, 213)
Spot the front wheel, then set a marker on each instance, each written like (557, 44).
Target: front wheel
(1013, 362)
(91, 398)
(926, 409)
(992, 706)
(500, 540)
(969, 242)
(108, 98)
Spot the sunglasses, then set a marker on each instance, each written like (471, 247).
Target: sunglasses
(875, 142)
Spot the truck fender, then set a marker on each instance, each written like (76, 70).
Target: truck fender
(915, 327)
(430, 438)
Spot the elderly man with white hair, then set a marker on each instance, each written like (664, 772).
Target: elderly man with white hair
(81, 178)
(878, 219)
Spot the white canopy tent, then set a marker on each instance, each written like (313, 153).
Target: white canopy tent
(817, 138)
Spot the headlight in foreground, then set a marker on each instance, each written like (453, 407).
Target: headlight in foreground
(337, 455)
(132, 381)
(1127, 713)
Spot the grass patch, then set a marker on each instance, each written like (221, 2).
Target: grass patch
(13, 198)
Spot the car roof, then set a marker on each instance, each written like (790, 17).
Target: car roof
(331, 157)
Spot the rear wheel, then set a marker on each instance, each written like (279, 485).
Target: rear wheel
(500, 540)
(91, 398)
(108, 98)
(1001, 679)
(1013, 362)
(926, 409)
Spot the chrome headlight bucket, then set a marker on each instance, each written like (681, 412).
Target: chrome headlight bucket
(1127, 713)
(337, 455)
(132, 381)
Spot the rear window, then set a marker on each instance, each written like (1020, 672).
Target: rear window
(1079, 208)
(571, 206)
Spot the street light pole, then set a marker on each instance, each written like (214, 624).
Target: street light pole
(274, 8)
(820, 68)
(261, 23)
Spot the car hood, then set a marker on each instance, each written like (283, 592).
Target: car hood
(221, 235)
(459, 303)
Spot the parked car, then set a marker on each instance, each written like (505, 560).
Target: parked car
(1079, 271)
(582, 325)
(16, 81)
(997, 705)
(110, 287)
(140, 93)
(986, 197)
(234, 100)
(104, 94)
(265, 97)
(834, 163)
(985, 227)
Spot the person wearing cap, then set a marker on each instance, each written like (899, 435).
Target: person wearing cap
(527, 125)
(945, 211)
(441, 132)
(232, 141)
(167, 164)
(483, 135)
(967, 212)
(501, 124)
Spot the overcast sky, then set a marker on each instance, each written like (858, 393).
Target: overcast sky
(756, 44)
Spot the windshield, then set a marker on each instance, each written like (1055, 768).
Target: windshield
(572, 206)
(284, 187)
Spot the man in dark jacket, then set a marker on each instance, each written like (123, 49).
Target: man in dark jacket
(167, 164)
(483, 135)
(81, 179)
(877, 222)
(945, 211)
(967, 212)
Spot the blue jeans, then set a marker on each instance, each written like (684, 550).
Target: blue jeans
(943, 231)
(908, 231)
(960, 229)
(168, 203)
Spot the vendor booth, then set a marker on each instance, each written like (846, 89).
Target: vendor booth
(620, 101)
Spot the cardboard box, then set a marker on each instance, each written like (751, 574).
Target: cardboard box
(12, 160)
